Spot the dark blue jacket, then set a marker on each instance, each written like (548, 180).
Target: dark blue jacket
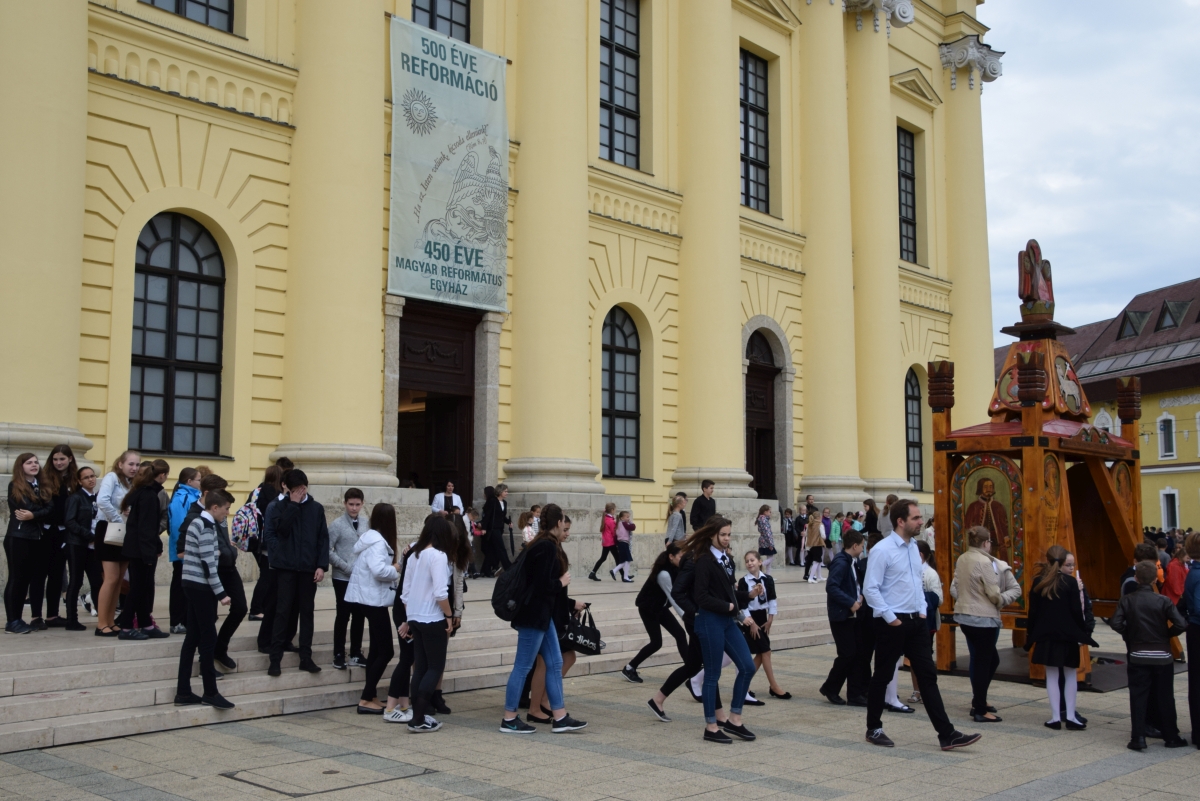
(841, 589)
(1189, 604)
(296, 536)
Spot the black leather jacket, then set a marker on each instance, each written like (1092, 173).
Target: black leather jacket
(81, 511)
(1147, 621)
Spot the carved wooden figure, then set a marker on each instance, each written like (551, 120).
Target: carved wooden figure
(1038, 473)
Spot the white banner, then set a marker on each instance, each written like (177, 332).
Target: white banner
(448, 238)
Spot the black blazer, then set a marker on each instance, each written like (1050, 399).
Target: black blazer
(142, 542)
(542, 573)
(841, 589)
(1058, 619)
(81, 510)
(495, 515)
(714, 589)
(27, 529)
(702, 509)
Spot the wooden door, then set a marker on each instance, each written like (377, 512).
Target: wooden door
(760, 428)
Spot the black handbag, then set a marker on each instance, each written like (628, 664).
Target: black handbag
(582, 634)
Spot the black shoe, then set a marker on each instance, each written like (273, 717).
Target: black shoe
(369, 710)
(290, 648)
(903, 708)
(273, 670)
(753, 702)
(339, 662)
(223, 663)
(56, 622)
(631, 674)
(216, 701)
(21, 627)
(1176, 742)
(981, 717)
(265, 650)
(256, 618)
(428, 725)
(516, 726)
(613, 573)
(658, 711)
(877, 737)
(1053, 724)
(699, 698)
(593, 576)
(74, 625)
(309, 666)
(627, 581)
(780, 696)
(1153, 733)
(132, 634)
(717, 736)
(155, 633)
(37, 624)
(357, 660)
(1136, 744)
(1080, 718)
(833, 698)
(959, 740)
(1073, 726)
(532, 718)
(567, 724)
(439, 703)
(191, 699)
(738, 731)
(857, 700)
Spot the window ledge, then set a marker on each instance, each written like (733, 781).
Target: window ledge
(199, 458)
(624, 478)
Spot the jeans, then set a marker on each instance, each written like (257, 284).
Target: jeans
(351, 613)
(981, 642)
(846, 642)
(1152, 685)
(693, 661)
(719, 635)
(380, 621)
(231, 580)
(430, 641)
(201, 634)
(295, 591)
(910, 639)
(655, 620)
(530, 644)
(84, 563)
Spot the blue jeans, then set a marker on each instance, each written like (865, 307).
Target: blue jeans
(720, 634)
(531, 643)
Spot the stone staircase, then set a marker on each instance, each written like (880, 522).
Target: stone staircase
(60, 687)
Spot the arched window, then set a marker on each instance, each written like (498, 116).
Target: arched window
(912, 431)
(620, 405)
(175, 381)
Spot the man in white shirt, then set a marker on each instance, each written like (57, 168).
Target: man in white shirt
(894, 590)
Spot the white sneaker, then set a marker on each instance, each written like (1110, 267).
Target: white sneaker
(398, 715)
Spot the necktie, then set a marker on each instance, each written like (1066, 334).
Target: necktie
(354, 523)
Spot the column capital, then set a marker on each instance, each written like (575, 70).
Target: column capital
(973, 55)
(896, 13)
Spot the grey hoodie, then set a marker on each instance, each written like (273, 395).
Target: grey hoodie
(342, 539)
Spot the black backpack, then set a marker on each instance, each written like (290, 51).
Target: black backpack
(511, 592)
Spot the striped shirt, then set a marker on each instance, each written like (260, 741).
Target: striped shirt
(200, 554)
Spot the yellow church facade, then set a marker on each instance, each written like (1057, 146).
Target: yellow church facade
(738, 230)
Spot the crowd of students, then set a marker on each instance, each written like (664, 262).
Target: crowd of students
(67, 527)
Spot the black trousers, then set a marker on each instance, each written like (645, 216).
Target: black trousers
(379, 619)
(201, 624)
(429, 649)
(140, 601)
(655, 620)
(1152, 684)
(604, 554)
(24, 565)
(351, 613)
(864, 648)
(49, 584)
(843, 665)
(814, 557)
(178, 605)
(258, 601)
(494, 553)
(693, 662)
(231, 580)
(984, 661)
(294, 591)
(910, 639)
(402, 675)
(83, 562)
(266, 629)
(1193, 659)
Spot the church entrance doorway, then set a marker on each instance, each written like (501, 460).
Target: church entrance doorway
(761, 375)
(435, 430)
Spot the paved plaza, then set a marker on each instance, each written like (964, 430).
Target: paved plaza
(806, 748)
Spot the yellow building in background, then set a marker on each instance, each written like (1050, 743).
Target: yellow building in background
(738, 230)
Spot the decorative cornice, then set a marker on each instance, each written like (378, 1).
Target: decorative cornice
(971, 54)
(924, 291)
(916, 87)
(897, 13)
(766, 244)
(633, 202)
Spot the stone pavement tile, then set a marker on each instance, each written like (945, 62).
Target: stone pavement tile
(1108, 791)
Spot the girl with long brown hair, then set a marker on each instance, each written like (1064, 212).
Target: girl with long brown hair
(113, 488)
(29, 505)
(61, 480)
(1056, 630)
(142, 547)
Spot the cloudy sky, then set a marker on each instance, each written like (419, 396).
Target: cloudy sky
(1092, 147)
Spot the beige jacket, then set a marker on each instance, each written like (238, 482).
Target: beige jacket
(814, 535)
(977, 582)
